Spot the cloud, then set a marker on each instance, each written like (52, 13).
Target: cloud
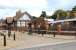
(70, 4)
(6, 7)
(34, 7)
(7, 13)
(32, 3)
(54, 5)
(61, 4)
(57, 4)
(24, 3)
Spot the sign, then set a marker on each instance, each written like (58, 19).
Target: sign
(9, 19)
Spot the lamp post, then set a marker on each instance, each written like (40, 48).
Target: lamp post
(15, 24)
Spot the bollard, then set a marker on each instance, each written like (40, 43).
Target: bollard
(75, 35)
(4, 40)
(54, 34)
(9, 33)
(14, 36)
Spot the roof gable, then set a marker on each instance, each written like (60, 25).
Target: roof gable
(24, 17)
(19, 15)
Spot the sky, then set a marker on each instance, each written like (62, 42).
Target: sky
(34, 7)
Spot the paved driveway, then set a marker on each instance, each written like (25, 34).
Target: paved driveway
(65, 46)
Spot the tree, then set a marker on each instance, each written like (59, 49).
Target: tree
(34, 17)
(73, 12)
(73, 15)
(74, 8)
(43, 14)
(68, 14)
(59, 14)
(53, 16)
(48, 17)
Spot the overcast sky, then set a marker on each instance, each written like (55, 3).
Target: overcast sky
(34, 7)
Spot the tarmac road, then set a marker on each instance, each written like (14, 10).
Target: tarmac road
(65, 46)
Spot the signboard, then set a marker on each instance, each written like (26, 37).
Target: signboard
(9, 19)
